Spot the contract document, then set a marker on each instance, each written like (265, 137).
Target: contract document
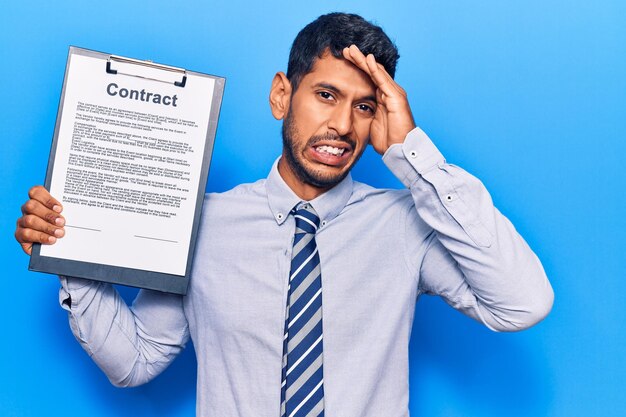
(129, 162)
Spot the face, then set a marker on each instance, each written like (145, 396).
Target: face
(327, 126)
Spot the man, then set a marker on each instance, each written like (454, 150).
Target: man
(269, 341)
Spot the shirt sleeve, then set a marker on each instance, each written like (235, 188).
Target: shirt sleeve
(475, 260)
(131, 345)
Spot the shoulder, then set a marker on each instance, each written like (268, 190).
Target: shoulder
(240, 192)
(386, 208)
(391, 214)
(383, 197)
(236, 201)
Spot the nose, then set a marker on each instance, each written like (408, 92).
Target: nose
(341, 119)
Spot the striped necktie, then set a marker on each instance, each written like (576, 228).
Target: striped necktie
(302, 392)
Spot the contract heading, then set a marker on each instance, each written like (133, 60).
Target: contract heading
(142, 95)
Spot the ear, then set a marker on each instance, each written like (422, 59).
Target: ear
(280, 95)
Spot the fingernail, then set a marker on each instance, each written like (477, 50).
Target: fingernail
(59, 221)
(52, 239)
(57, 208)
(59, 233)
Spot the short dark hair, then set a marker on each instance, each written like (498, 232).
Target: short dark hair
(333, 32)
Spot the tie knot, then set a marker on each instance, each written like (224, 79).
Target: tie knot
(306, 218)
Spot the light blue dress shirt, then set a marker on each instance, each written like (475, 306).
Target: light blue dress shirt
(379, 250)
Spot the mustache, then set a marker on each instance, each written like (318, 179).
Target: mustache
(331, 137)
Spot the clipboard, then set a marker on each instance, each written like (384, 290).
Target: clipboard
(127, 125)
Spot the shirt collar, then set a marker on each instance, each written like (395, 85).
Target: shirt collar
(282, 199)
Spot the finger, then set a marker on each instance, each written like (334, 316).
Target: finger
(29, 236)
(36, 208)
(391, 80)
(380, 69)
(30, 221)
(397, 86)
(42, 195)
(375, 70)
(380, 77)
(27, 247)
(378, 132)
(368, 64)
(380, 97)
(354, 55)
(381, 116)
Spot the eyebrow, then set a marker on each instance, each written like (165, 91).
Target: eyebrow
(335, 90)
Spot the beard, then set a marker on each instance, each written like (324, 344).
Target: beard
(294, 158)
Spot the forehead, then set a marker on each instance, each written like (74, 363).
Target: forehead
(341, 74)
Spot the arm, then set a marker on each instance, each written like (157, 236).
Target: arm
(131, 345)
(475, 259)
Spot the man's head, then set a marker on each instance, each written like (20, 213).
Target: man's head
(331, 33)
(327, 103)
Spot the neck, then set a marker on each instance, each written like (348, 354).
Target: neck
(303, 190)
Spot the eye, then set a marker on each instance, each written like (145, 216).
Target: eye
(366, 108)
(325, 95)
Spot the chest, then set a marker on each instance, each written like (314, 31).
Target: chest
(239, 284)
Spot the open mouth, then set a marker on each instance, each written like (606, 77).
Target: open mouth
(331, 153)
(331, 150)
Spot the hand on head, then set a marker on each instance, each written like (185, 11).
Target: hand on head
(393, 119)
(41, 221)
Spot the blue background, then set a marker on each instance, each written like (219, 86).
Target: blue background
(530, 96)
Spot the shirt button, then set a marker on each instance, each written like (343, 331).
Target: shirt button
(413, 154)
(323, 223)
(279, 216)
(449, 198)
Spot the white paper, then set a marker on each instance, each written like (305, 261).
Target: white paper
(128, 165)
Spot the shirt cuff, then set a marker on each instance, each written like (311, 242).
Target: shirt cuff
(412, 158)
